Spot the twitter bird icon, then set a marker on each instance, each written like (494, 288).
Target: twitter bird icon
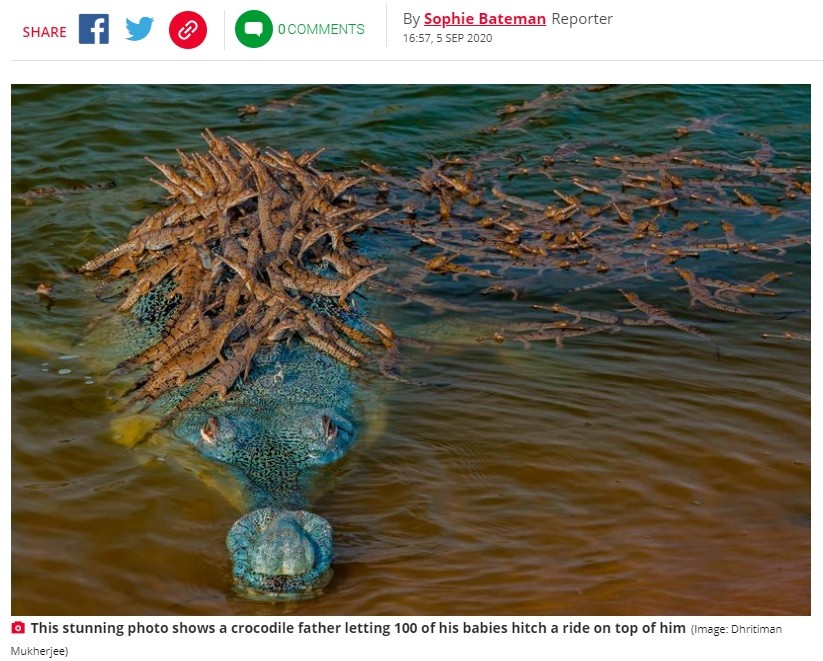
(140, 29)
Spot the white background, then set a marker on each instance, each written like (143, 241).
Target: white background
(648, 42)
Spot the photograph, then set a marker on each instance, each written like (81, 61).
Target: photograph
(447, 350)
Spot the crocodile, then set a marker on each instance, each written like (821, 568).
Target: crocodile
(246, 338)
(42, 192)
(279, 432)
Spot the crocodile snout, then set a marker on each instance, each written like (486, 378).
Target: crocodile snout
(280, 554)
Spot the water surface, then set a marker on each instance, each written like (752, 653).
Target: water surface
(629, 473)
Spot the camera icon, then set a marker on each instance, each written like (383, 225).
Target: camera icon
(18, 627)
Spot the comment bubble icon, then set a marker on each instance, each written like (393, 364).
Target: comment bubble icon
(254, 27)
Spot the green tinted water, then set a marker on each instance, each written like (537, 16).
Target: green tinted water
(628, 473)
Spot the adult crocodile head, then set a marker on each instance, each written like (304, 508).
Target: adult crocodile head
(293, 417)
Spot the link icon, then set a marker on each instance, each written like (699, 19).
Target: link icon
(188, 29)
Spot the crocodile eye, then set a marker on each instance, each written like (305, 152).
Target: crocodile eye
(329, 428)
(208, 432)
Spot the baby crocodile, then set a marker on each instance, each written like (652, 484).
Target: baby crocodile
(700, 293)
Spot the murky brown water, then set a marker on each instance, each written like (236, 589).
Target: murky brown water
(632, 473)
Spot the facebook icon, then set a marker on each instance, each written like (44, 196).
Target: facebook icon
(94, 28)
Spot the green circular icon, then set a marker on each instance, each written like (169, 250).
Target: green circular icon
(253, 29)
